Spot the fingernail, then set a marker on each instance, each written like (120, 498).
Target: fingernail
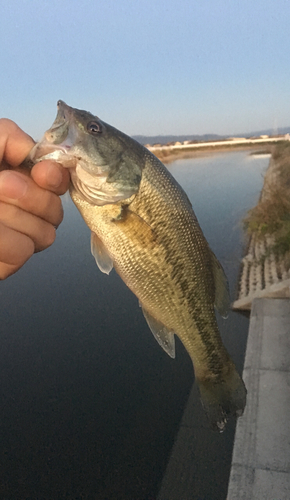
(53, 176)
(12, 185)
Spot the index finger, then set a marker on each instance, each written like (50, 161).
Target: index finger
(14, 143)
(52, 176)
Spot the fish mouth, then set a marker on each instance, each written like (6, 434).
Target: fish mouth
(46, 150)
(58, 140)
(60, 133)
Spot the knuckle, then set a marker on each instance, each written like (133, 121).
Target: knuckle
(15, 250)
(7, 124)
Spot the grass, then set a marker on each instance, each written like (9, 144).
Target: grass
(271, 216)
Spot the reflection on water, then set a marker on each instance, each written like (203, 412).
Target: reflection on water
(90, 404)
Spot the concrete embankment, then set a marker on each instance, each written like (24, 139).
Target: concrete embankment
(261, 457)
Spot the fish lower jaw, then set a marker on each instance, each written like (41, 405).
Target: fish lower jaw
(46, 150)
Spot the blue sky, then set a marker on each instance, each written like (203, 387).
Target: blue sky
(148, 67)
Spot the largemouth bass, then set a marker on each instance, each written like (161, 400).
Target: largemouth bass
(143, 225)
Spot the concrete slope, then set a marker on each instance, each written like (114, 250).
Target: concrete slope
(261, 457)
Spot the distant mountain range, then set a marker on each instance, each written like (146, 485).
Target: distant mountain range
(164, 139)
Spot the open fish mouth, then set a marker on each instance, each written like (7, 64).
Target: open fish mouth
(62, 130)
(46, 150)
(58, 140)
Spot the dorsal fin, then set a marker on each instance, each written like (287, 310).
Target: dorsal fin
(164, 337)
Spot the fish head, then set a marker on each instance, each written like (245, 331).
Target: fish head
(105, 164)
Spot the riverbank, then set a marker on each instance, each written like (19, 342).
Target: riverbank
(265, 269)
(261, 461)
(169, 153)
(168, 157)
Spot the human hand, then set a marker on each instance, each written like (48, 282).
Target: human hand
(30, 206)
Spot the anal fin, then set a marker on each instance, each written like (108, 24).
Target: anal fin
(100, 253)
(164, 337)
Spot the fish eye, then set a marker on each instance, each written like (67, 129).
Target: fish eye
(94, 128)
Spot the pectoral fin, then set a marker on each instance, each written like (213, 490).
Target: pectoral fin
(222, 296)
(99, 251)
(164, 337)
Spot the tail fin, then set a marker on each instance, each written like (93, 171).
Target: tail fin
(222, 399)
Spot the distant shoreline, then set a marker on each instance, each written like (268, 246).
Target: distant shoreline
(167, 156)
(174, 151)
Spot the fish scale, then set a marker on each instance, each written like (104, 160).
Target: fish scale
(143, 225)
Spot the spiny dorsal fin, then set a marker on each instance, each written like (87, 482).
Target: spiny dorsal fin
(222, 295)
(99, 251)
(164, 337)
